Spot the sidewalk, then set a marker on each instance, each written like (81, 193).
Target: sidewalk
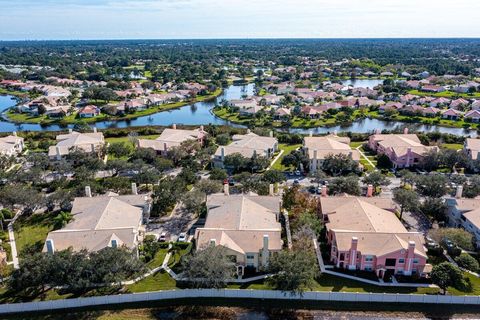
(11, 236)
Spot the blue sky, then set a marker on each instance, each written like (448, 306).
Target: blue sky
(167, 19)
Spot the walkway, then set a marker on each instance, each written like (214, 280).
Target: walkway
(366, 158)
(11, 236)
(275, 160)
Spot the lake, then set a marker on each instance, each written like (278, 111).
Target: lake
(200, 114)
(363, 83)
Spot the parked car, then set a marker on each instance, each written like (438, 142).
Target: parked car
(182, 237)
(163, 237)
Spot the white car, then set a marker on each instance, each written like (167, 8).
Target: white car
(182, 237)
(163, 237)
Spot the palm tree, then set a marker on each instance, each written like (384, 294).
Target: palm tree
(62, 219)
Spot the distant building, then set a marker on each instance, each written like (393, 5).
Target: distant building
(91, 142)
(318, 148)
(248, 145)
(172, 138)
(11, 145)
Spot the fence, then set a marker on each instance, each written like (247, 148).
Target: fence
(69, 304)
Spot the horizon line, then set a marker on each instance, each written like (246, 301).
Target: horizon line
(240, 38)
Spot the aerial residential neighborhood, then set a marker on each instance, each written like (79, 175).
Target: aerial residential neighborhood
(211, 160)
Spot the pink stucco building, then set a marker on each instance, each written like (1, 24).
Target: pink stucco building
(364, 234)
(404, 150)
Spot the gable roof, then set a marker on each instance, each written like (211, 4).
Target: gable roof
(97, 220)
(360, 214)
(330, 144)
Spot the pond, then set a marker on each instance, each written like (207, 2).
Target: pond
(200, 113)
(363, 83)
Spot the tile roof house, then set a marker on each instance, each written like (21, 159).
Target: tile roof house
(103, 221)
(89, 111)
(473, 115)
(404, 150)
(365, 234)
(248, 145)
(247, 226)
(91, 142)
(11, 145)
(172, 138)
(318, 148)
(451, 114)
(464, 213)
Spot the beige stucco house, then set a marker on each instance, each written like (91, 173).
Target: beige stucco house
(91, 142)
(247, 226)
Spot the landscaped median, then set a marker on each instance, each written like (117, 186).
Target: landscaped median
(73, 118)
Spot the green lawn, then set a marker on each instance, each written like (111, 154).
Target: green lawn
(356, 144)
(287, 149)
(475, 289)
(159, 281)
(32, 230)
(126, 139)
(445, 94)
(453, 146)
(158, 259)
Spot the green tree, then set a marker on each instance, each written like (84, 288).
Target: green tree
(274, 176)
(376, 179)
(339, 164)
(61, 219)
(407, 199)
(445, 275)
(349, 185)
(208, 268)
(468, 262)
(218, 174)
(119, 149)
(459, 237)
(293, 271)
(433, 185)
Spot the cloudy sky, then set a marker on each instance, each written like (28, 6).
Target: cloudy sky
(165, 19)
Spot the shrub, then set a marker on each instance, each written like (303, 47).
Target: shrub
(468, 262)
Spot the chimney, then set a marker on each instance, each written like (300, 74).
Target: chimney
(310, 134)
(134, 188)
(213, 242)
(14, 133)
(70, 130)
(271, 190)
(93, 147)
(94, 129)
(410, 257)
(88, 191)
(248, 131)
(405, 131)
(265, 252)
(324, 189)
(271, 134)
(370, 191)
(165, 146)
(459, 192)
(174, 126)
(377, 131)
(335, 132)
(201, 128)
(226, 189)
(353, 254)
(411, 249)
(222, 153)
(50, 246)
(58, 156)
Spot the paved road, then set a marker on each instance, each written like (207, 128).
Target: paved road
(11, 236)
